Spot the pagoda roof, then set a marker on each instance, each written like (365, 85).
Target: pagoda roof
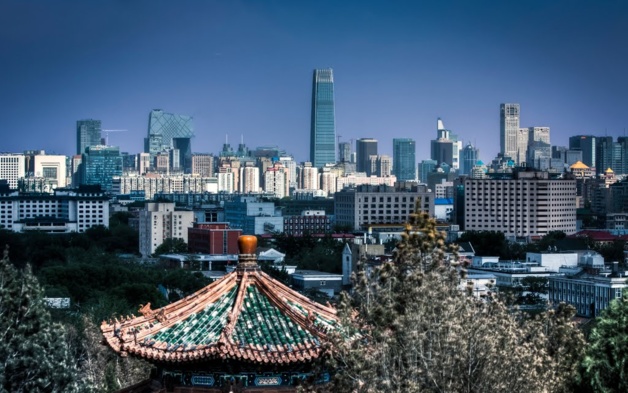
(245, 316)
(579, 165)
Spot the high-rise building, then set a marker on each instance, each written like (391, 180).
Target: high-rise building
(586, 144)
(404, 161)
(163, 128)
(446, 147)
(470, 156)
(87, 134)
(384, 166)
(323, 127)
(249, 180)
(100, 164)
(508, 129)
(365, 148)
(425, 168)
(276, 181)
(344, 152)
(309, 177)
(160, 221)
(203, 164)
(12, 168)
(51, 168)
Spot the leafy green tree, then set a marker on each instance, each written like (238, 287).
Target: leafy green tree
(34, 356)
(407, 327)
(606, 362)
(171, 246)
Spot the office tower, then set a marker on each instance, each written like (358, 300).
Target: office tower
(323, 127)
(203, 164)
(470, 156)
(163, 128)
(611, 155)
(100, 164)
(161, 163)
(384, 166)
(523, 137)
(184, 147)
(586, 144)
(87, 134)
(508, 129)
(425, 167)
(365, 148)
(404, 161)
(12, 168)
(446, 147)
(344, 152)
(539, 155)
(539, 134)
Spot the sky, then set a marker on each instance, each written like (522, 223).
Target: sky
(243, 69)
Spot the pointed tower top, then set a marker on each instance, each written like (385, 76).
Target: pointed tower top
(439, 124)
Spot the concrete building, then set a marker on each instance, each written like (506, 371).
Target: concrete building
(12, 168)
(509, 118)
(276, 181)
(203, 164)
(249, 180)
(52, 168)
(329, 283)
(363, 206)
(160, 221)
(365, 148)
(527, 204)
(253, 216)
(213, 238)
(309, 222)
(309, 177)
(152, 183)
(590, 286)
(65, 210)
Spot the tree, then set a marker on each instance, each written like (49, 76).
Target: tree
(409, 328)
(171, 245)
(34, 356)
(606, 362)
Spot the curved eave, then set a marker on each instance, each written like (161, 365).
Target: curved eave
(135, 335)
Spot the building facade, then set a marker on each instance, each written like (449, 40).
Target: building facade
(159, 221)
(65, 210)
(215, 238)
(363, 206)
(509, 129)
(404, 160)
(163, 128)
(365, 148)
(100, 164)
(12, 168)
(528, 203)
(309, 222)
(323, 122)
(88, 133)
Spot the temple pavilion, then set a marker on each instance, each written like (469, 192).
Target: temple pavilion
(244, 332)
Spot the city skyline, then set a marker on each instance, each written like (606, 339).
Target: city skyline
(242, 69)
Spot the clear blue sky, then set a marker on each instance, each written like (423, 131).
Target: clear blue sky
(244, 68)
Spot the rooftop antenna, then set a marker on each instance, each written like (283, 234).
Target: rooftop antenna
(107, 134)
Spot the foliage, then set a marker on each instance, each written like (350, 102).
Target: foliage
(613, 251)
(34, 356)
(171, 246)
(606, 362)
(312, 253)
(411, 329)
(492, 243)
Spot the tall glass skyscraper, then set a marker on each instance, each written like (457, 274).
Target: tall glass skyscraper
(163, 128)
(404, 161)
(323, 124)
(87, 134)
(100, 164)
(365, 148)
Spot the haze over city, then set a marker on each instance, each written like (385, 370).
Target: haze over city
(244, 69)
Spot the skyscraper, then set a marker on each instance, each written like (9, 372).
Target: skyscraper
(470, 156)
(87, 134)
(323, 127)
(365, 148)
(163, 128)
(587, 145)
(344, 151)
(508, 129)
(100, 164)
(404, 161)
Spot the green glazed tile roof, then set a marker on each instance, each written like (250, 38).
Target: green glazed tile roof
(262, 323)
(202, 328)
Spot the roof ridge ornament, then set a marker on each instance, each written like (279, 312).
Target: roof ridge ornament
(247, 260)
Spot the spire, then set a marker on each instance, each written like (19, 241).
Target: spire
(439, 124)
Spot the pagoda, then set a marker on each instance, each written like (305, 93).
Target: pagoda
(244, 332)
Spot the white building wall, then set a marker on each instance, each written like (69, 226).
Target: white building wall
(12, 167)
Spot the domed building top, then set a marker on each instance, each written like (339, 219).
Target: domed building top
(245, 316)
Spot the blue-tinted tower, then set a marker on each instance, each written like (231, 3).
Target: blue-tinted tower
(323, 125)
(100, 164)
(87, 134)
(404, 161)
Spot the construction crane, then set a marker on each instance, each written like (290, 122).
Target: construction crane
(107, 134)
